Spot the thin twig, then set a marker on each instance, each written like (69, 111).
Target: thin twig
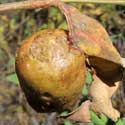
(29, 4)
(98, 1)
(32, 4)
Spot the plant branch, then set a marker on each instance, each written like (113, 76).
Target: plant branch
(122, 2)
(31, 4)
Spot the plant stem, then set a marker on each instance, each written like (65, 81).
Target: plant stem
(31, 4)
(122, 2)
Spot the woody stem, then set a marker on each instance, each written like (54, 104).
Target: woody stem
(31, 4)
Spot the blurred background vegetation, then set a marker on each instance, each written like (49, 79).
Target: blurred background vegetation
(15, 26)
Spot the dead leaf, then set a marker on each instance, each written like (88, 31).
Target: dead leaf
(90, 36)
(123, 62)
(101, 98)
(81, 114)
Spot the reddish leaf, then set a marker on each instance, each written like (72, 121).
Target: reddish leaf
(90, 36)
(81, 114)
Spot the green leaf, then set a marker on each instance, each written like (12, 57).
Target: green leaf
(44, 26)
(88, 81)
(95, 119)
(119, 122)
(68, 122)
(89, 77)
(104, 118)
(85, 90)
(53, 11)
(63, 114)
(13, 78)
(51, 25)
(123, 119)
(63, 25)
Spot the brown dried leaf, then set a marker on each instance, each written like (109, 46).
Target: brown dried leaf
(90, 36)
(81, 114)
(123, 62)
(101, 93)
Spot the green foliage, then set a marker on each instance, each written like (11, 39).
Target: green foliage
(88, 82)
(85, 90)
(63, 25)
(88, 77)
(63, 114)
(103, 120)
(68, 122)
(98, 121)
(119, 122)
(13, 78)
